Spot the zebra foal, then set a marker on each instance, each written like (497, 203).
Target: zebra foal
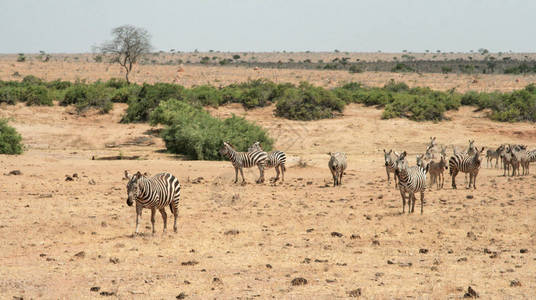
(155, 192)
(390, 166)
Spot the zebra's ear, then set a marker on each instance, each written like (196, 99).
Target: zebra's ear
(329, 153)
(384, 151)
(138, 175)
(127, 176)
(396, 153)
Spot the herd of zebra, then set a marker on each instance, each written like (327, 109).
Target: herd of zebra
(163, 189)
(412, 180)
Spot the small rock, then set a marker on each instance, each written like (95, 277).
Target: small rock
(95, 288)
(104, 293)
(269, 266)
(355, 237)
(309, 230)
(45, 196)
(75, 175)
(14, 172)
(389, 262)
(514, 283)
(298, 281)
(336, 234)
(197, 180)
(189, 263)
(376, 242)
(216, 280)
(114, 260)
(306, 260)
(471, 235)
(469, 196)
(68, 178)
(423, 250)
(92, 182)
(186, 282)
(355, 293)
(232, 232)
(80, 254)
(181, 296)
(523, 250)
(471, 293)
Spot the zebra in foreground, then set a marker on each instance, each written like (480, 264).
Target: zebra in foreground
(491, 155)
(155, 192)
(390, 159)
(466, 163)
(276, 159)
(337, 164)
(242, 160)
(411, 180)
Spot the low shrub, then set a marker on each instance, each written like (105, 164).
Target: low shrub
(36, 95)
(148, 98)
(10, 139)
(307, 102)
(11, 94)
(194, 132)
(85, 97)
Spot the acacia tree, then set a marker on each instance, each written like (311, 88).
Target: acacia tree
(128, 45)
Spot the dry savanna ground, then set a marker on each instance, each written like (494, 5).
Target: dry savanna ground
(74, 239)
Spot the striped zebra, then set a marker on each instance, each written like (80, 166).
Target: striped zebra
(410, 180)
(520, 154)
(156, 192)
(390, 159)
(532, 155)
(337, 164)
(466, 163)
(490, 156)
(242, 160)
(436, 170)
(276, 159)
(506, 158)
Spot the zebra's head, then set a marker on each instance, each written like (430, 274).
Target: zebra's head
(133, 189)
(225, 150)
(255, 147)
(401, 163)
(388, 157)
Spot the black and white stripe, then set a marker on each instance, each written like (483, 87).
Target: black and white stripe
(275, 159)
(156, 192)
(242, 160)
(411, 180)
(466, 163)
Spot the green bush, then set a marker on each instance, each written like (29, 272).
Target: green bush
(116, 83)
(307, 102)
(85, 97)
(11, 94)
(205, 95)
(32, 80)
(10, 140)
(37, 95)
(149, 97)
(125, 94)
(355, 69)
(417, 108)
(194, 132)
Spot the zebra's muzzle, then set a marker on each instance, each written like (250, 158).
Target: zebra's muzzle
(130, 202)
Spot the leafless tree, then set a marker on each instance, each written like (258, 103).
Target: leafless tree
(128, 45)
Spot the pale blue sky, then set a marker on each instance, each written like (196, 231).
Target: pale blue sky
(273, 25)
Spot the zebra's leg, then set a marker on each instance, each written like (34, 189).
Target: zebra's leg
(388, 176)
(453, 175)
(422, 201)
(340, 177)
(261, 174)
(474, 181)
(138, 216)
(403, 201)
(282, 172)
(277, 173)
(396, 180)
(153, 212)
(412, 198)
(242, 173)
(164, 217)
(470, 180)
(236, 175)
(175, 212)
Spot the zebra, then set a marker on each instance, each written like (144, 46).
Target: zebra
(466, 163)
(410, 180)
(506, 157)
(390, 159)
(490, 155)
(337, 164)
(275, 159)
(242, 160)
(436, 170)
(155, 192)
(521, 157)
